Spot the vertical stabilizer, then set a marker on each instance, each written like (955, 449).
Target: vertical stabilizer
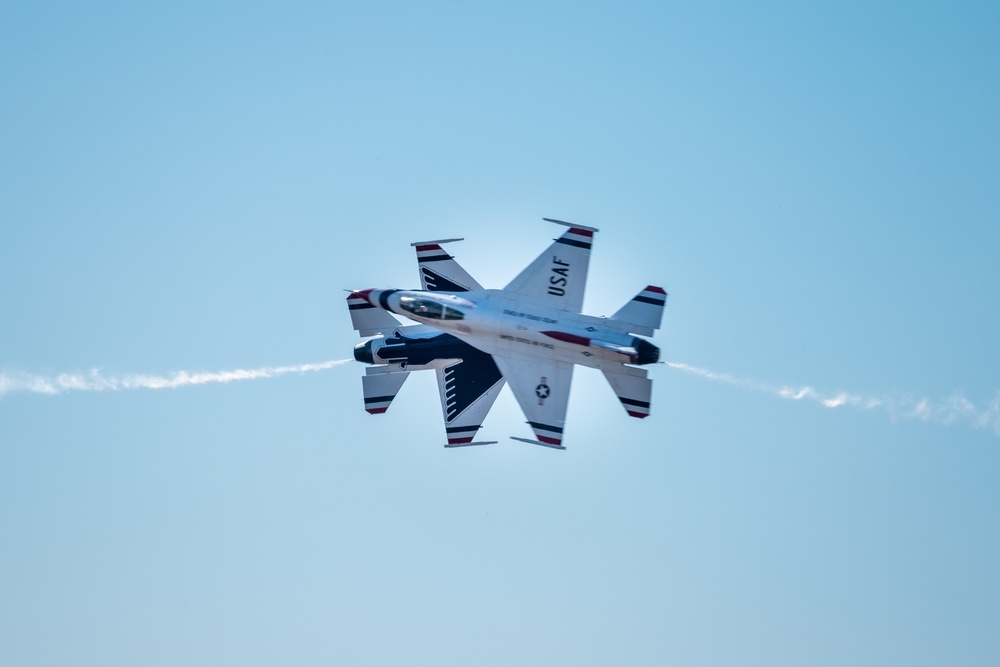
(644, 313)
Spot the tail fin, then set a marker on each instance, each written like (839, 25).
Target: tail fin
(634, 389)
(644, 312)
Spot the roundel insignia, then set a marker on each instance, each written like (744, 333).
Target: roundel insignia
(542, 391)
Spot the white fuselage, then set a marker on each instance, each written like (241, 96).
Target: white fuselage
(498, 324)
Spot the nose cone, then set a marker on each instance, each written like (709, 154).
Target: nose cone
(363, 353)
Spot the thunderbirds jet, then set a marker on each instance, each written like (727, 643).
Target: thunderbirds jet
(529, 334)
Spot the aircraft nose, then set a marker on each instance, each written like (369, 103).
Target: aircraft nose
(363, 353)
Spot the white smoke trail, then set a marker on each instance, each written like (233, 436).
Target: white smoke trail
(96, 381)
(954, 409)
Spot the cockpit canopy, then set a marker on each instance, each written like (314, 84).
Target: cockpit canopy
(429, 309)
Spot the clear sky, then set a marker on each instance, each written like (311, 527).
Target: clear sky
(190, 187)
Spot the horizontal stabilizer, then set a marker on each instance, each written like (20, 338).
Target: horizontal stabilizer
(634, 389)
(381, 384)
(366, 318)
(644, 313)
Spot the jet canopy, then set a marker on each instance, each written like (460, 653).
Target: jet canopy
(429, 308)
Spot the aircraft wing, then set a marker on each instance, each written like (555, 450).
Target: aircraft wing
(541, 387)
(558, 277)
(439, 272)
(468, 389)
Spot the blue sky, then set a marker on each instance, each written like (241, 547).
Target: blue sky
(190, 187)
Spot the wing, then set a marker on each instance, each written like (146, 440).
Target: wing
(380, 385)
(439, 272)
(468, 389)
(559, 276)
(541, 387)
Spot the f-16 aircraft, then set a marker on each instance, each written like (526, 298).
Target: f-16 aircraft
(529, 334)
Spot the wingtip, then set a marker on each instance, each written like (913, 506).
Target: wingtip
(469, 444)
(538, 442)
(571, 224)
(437, 242)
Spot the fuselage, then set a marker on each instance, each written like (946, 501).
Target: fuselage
(496, 323)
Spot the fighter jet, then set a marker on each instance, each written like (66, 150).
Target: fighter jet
(529, 334)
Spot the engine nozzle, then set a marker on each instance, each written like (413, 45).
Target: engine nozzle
(646, 352)
(363, 353)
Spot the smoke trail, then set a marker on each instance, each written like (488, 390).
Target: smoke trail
(96, 381)
(954, 409)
